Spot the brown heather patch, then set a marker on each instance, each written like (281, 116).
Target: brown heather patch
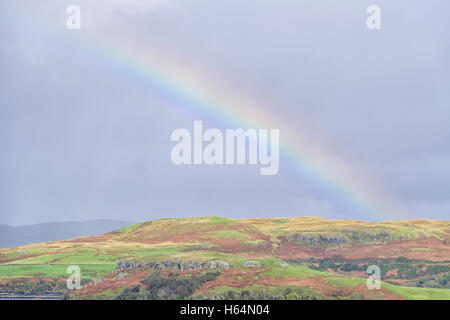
(33, 280)
(109, 283)
(234, 277)
(132, 279)
(238, 278)
(392, 273)
(398, 282)
(392, 249)
(353, 273)
(92, 239)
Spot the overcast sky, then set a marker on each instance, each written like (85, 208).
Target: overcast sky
(81, 139)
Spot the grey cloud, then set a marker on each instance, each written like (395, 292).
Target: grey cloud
(83, 139)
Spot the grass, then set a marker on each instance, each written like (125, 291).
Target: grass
(281, 220)
(88, 272)
(68, 258)
(156, 252)
(276, 270)
(128, 229)
(346, 282)
(412, 293)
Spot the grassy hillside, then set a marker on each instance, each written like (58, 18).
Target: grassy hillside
(285, 258)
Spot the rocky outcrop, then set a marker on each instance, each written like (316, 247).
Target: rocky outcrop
(176, 264)
(205, 246)
(121, 276)
(281, 264)
(252, 264)
(317, 240)
(352, 237)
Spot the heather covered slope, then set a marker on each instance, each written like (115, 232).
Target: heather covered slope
(298, 258)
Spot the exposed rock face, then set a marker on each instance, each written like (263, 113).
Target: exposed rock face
(252, 264)
(312, 240)
(205, 246)
(281, 264)
(121, 276)
(256, 243)
(351, 237)
(176, 264)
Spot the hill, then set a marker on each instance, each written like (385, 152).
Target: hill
(218, 258)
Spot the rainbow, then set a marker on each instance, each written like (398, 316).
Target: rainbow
(213, 100)
(207, 98)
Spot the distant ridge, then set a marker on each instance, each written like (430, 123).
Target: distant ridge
(14, 236)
